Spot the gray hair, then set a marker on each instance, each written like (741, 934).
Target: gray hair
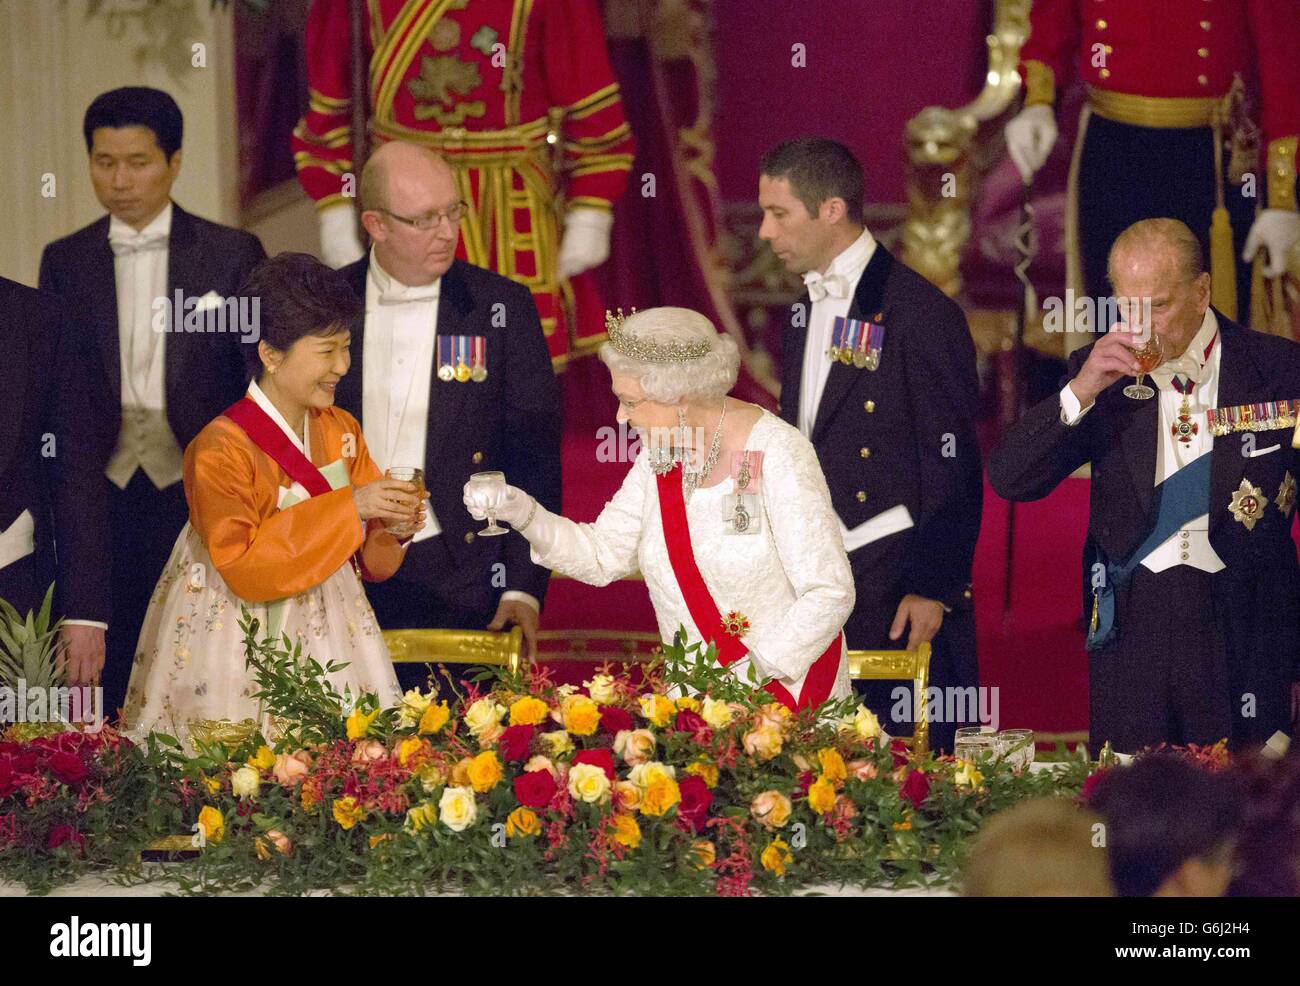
(706, 378)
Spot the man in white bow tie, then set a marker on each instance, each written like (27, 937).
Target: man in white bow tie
(1194, 634)
(118, 274)
(878, 371)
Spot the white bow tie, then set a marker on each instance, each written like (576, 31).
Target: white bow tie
(401, 295)
(819, 286)
(1183, 366)
(124, 244)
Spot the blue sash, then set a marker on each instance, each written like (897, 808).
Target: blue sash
(1182, 497)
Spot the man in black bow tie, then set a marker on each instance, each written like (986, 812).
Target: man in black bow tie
(878, 371)
(1195, 625)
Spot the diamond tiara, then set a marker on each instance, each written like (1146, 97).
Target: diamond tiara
(647, 351)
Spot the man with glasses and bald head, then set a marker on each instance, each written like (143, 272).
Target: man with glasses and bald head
(450, 374)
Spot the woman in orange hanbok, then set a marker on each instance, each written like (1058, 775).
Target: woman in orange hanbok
(288, 513)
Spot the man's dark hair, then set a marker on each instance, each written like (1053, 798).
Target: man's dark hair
(298, 296)
(137, 106)
(818, 169)
(1268, 852)
(1161, 812)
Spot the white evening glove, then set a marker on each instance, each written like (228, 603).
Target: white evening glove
(513, 505)
(1030, 135)
(339, 243)
(586, 240)
(1275, 230)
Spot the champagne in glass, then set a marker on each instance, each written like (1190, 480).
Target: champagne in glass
(490, 481)
(1148, 357)
(407, 474)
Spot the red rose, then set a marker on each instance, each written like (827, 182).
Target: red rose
(1090, 785)
(25, 763)
(515, 742)
(805, 782)
(900, 752)
(601, 758)
(614, 720)
(915, 788)
(693, 809)
(8, 778)
(67, 767)
(10, 749)
(692, 722)
(60, 834)
(535, 788)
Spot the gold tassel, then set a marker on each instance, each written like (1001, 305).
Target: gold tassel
(1223, 258)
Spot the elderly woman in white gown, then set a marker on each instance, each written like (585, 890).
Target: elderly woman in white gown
(725, 512)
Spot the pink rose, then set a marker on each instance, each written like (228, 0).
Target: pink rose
(635, 746)
(369, 751)
(863, 770)
(291, 768)
(283, 844)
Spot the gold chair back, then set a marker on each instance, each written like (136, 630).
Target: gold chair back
(900, 665)
(487, 647)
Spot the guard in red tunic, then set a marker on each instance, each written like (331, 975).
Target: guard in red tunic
(492, 85)
(1156, 138)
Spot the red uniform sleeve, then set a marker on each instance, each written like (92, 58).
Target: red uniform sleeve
(322, 141)
(1047, 58)
(598, 144)
(1275, 31)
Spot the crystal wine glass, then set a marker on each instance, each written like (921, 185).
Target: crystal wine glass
(490, 481)
(1149, 356)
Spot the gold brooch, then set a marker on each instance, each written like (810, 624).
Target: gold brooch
(736, 624)
(1248, 503)
(1286, 495)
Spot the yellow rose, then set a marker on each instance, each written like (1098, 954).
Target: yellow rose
(412, 707)
(588, 783)
(764, 742)
(374, 840)
(717, 714)
(821, 796)
(540, 762)
(347, 812)
(263, 759)
(967, 775)
(634, 745)
(262, 848)
(212, 824)
(658, 709)
(626, 831)
(864, 723)
(528, 711)
(771, 809)
(832, 764)
(483, 715)
(703, 854)
(688, 702)
(627, 796)
(245, 782)
(773, 714)
(430, 776)
(412, 750)
(420, 816)
(660, 795)
(645, 774)
(602, 689)
(707, 772)
(457, 809)
(484, 772)
(359, 723)
(556, 743)
(776, 857)
(460, 772)
(580, 715)
(211, 783)
(433, 718)
(522, 822)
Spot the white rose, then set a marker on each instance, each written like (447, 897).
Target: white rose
(635, 746)
(645, 774)
(245, 782)
(588, 783)
(483, 715)
(602, 689)
(557, 743)
(716, 714)
(865, 723)
(457, 809)
(541, 763)
(412, 707)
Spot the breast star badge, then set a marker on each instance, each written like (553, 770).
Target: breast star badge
(1286, 495)
(1248, 503)
(736, 624)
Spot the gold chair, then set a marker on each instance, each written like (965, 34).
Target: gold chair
(597, 646)
(486, 647)
(900, 665)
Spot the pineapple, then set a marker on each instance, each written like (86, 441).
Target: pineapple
(29, 650)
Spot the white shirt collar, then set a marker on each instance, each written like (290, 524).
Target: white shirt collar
(160, 225)
(1196, 348)
(854, 259)
(264, 402)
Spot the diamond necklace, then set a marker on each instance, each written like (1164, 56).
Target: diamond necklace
(690, 478)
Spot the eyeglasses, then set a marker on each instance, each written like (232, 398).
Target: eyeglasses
(632, 405)
(431, 220)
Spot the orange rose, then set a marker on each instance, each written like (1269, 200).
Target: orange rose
(522, 823)
(821, 796)
(626, 831)
(627, 796)
(771, 809)
(484, 772)
(291, 768)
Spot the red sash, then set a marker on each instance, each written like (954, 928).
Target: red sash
(271, 439)
(704, 611)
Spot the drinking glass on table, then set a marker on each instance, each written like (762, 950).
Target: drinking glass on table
(975, 747)
(1150, 355)
(1016, 746)
(407, 474)
(490, 482)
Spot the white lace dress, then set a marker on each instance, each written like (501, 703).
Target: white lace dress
(791, 579)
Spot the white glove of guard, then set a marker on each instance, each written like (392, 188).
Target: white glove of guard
(586, 240)
(1275, 230)
(339, 243)
(1031, 135)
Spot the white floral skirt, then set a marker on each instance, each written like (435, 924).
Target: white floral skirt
(189, 661)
